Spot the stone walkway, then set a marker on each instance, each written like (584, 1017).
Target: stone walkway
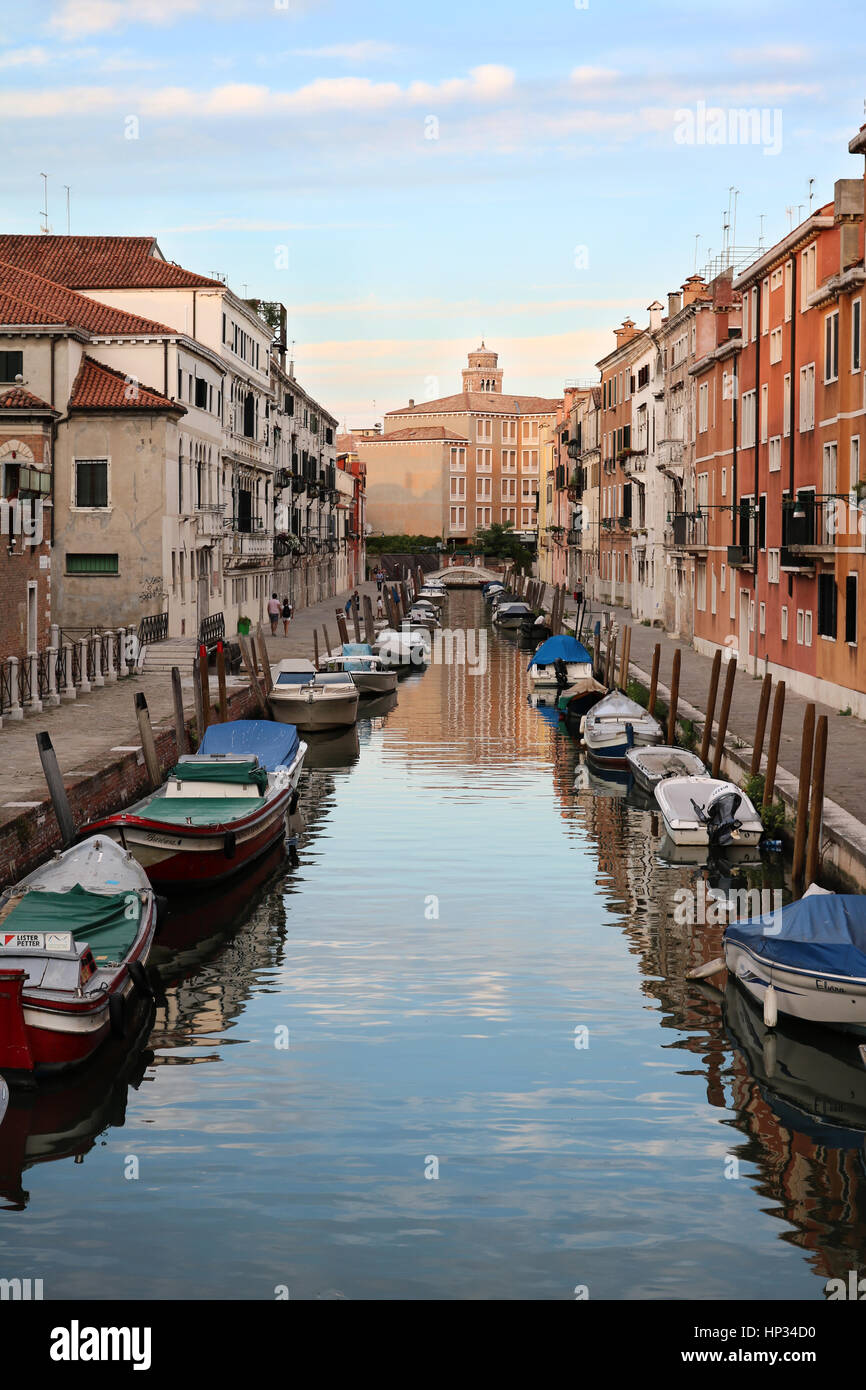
(87, 731)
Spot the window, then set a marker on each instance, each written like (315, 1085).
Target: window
(808, 275)
(807, 397)
(773, 558)
(484, 460)
(754, 314)
(851, 609)
(765, 309)
(762, 618)
(807, 627)
(509, 460)
(509, 489)
(249, 416)
(775, 453)
(799, 627)
(854, 466)
(91, 482)
(528, 487)
(724, 482)
(747, 425)
(787, 290)
(509, 431)
(856, 325)
(786, 405)
(529, 461)
(746, 317)
(458, 518)
(11, 365)
(703, 407)
(458, 460)
(483, 488)
(201, 393)
(91, 564)
(827, 593)
(484, 429)
(831, 346)
(530, 431)
(527, 516)
(723, 577)
(509, 516)
(701, 586)
(776, 345)
(765, 393)
(776, 278)
(458, 488)
(483, 516)
(783, 623)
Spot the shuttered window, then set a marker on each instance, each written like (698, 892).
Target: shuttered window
(851, 608)
(827, 605)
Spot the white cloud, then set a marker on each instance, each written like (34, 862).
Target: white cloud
(486, 83)
(362, 51)
(23, 57)
(74, 18)
(795, 53)
(593, 77)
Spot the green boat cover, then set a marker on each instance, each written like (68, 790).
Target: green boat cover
(236, 773)
(109, 923)
(196, 810)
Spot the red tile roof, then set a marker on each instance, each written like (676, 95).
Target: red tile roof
(17, 398)
(100, 262)
(27, 298)
(417, 434)
(98, 387)
(482, 403)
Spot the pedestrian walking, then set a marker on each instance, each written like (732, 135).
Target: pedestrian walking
(274, 611)
(380, 605)
(287, 615)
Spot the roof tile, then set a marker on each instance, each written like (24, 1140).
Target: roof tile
(98, 387)
(27, 298)
(99, 262)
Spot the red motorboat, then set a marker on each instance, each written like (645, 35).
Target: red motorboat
(75, 936)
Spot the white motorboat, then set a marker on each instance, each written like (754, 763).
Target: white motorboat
(707, 811)
(434, 593)
(312, 700)
(424, 615)
(650, 765)
(368, 671)
(513, 614)
(560, 661)
(615, 724)
(403, 647)
(807, 960)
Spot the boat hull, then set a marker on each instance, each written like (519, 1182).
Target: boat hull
(610, 749)
(313, 715)
(375, 683)
(836, 1001)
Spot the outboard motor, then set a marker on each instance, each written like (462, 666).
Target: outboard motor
(560, 670)
(721, 817)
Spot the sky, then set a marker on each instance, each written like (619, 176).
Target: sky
(412, 179)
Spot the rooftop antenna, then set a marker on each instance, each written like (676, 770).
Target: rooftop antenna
(799, 213)
(761, 231)
(790, 212)
(68, 213)
(697, 239)
(44, 213)
(811, 193)
(736, 192)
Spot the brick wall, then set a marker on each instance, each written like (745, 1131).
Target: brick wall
(34, 835)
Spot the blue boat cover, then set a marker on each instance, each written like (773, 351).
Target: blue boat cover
(566, 648)
(825, 932)
(275, 745)
(351, 649)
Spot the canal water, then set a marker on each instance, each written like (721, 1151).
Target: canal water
(446, 1051)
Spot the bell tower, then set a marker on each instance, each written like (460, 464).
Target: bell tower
(482, 374)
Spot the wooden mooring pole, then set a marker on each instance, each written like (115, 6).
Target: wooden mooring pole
(773, 748)
(148, 747)
(56, 788)
(806, 746)
(204, 678)
(221, 681)
(624, 659)
(711, 705)
(369, 629)
(727, 696)
(675, 697)
(816, 805)
(180, 736)
(761, 726)
(654, 678)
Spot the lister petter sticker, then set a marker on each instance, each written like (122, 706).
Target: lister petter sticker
(36, 941)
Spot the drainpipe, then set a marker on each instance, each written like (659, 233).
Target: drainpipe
(793, 366)
(759, 319)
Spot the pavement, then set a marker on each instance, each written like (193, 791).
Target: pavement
(90, 731)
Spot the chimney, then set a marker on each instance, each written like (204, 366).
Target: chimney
(627, 331)
(655, 311)
(674, 303)
(848, 215)
(411, 402)
(693, 289)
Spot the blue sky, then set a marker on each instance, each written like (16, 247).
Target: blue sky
(286, 144)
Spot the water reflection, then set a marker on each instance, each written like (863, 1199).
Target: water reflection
(457, 906)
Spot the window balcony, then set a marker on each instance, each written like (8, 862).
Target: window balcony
(741, 557)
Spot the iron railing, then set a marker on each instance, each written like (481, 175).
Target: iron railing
(212, 630)
(153, 628)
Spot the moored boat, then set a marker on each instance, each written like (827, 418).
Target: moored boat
(214, 815)
(512, 614)
(312, 700)
(75, 936)
(615, 724)
(649, 765)
(368, 671)
(707, 811)
(808, 960)
(404, 647)
(560, 661)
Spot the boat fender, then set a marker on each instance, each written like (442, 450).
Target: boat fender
(230, 844)
(293, 802)
(138, 975)
(117, 1014)
(771, 1012)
